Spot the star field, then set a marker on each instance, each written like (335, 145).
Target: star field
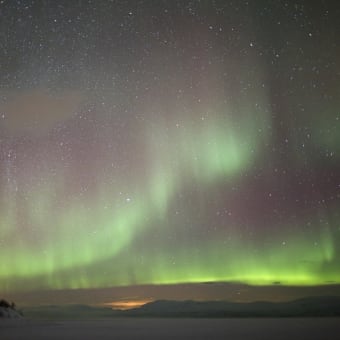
(167, 142)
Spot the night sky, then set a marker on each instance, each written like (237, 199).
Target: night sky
(169, 144)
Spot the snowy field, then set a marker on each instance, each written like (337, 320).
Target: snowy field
(130, 328)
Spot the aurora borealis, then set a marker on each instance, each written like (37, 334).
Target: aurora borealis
(169, 142)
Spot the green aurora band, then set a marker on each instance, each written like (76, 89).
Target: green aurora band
(118, 234)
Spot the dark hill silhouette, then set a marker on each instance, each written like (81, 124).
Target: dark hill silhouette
(8, 310)
(306, 307)
(314, 306)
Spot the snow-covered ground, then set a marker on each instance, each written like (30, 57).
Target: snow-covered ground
(147, 328)
(9, 313)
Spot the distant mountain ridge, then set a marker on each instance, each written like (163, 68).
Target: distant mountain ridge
(8, 311)
(306, 307)
(313, 306)
(69, 312)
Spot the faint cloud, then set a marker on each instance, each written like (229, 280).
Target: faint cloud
(36, 111)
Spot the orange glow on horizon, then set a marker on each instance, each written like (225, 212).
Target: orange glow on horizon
(127, 304)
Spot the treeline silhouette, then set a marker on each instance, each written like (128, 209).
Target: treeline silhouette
(6, 304)
(8, 309)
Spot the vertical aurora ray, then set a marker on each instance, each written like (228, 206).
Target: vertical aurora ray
(101, 226)
(104, 224)
(297, 261)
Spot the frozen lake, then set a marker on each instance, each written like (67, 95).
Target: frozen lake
(153, 328)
